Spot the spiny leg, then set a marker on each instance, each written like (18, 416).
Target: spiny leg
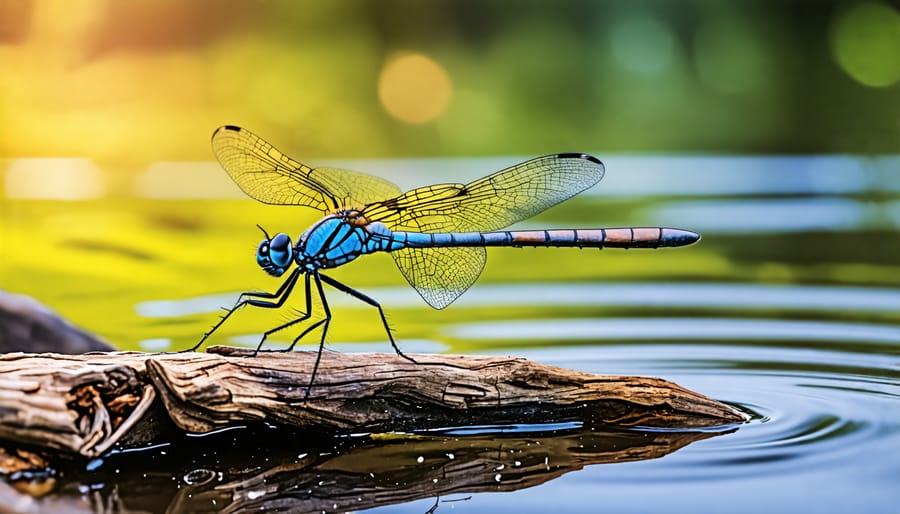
(359, 296)
(280, 297)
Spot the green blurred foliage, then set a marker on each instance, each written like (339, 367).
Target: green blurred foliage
(130, 83)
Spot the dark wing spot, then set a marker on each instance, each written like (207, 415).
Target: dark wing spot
(573, 155)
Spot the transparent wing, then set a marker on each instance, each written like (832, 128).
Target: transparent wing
(516, 193)
(440, 275)
(493, 202)
(267, 175)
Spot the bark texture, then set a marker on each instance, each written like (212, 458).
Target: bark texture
(84, 404)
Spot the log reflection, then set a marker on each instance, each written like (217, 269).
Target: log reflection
(266, 468)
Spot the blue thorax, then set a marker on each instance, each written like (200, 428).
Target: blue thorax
(334, 240)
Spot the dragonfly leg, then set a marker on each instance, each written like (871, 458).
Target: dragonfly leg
(305, 316)
(359, 296)
(279, 297)
(308, 310)
(326, 321)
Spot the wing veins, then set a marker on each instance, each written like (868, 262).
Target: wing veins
(270, 176)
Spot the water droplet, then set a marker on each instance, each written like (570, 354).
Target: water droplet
(198, 476)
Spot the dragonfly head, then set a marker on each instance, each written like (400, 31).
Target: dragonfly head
(274, 254)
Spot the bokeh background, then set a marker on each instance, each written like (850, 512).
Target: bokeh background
(131, 83)
(770, 126)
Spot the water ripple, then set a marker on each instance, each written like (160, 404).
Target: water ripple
(824, 431)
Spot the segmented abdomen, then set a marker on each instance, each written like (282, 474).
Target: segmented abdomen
(650, 237)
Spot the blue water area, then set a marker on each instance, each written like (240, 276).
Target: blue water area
(825, 426)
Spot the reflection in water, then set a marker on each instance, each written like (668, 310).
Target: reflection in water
(263, 468)
(823, 423)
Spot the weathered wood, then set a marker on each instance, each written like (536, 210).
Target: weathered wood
(84, 404)
(81, 404)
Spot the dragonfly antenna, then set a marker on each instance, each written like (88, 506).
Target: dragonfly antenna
(263, 231)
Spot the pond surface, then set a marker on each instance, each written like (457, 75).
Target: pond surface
(788, 309)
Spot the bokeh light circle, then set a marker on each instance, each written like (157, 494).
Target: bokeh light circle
(414, 88)
(643, 44)
(865, 41)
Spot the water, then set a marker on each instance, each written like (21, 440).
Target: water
(788, 309)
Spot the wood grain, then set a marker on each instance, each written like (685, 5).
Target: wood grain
(84, 404)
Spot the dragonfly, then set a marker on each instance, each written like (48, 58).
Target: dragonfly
(436, 234)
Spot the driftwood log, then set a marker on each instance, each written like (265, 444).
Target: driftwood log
(85, 404)
(57, 411)
(373, 432)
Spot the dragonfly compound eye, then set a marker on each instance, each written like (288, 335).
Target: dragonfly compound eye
(280, 251)
(262, 254)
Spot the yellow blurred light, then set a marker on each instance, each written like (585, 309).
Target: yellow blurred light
(186, 179)
(54, 178)
(414, 88)
(60, 25)
(865, 41)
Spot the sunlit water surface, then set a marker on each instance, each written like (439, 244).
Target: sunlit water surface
(789, 310)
